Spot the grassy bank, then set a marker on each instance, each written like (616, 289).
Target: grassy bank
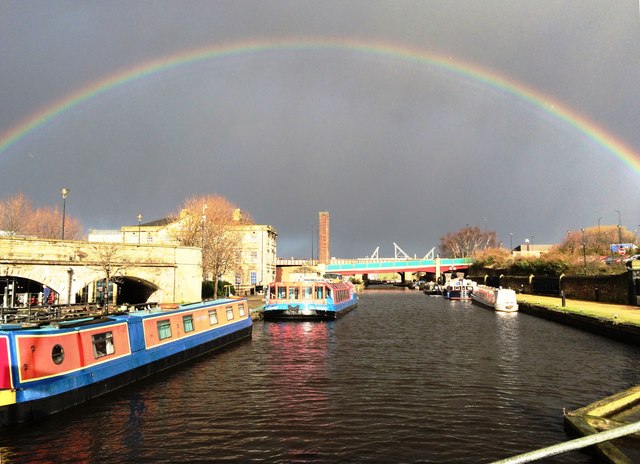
(620, 314)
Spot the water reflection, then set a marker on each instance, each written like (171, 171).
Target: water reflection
(403, 378)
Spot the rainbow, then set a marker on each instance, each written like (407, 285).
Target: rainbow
(456, 66)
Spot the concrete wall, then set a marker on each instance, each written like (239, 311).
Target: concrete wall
(606, 288)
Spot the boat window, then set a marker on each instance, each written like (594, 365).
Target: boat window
(272, 292)
(307, 293)
(229, 313)
(319, 293)
(282, 292)
(164, 329)
(57, 354)
(102, 344)
(213, 317)
(241, 309)
(294, 293)
(187, 323)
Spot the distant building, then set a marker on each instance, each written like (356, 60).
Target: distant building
(324, 255)
(530, 250)
(257, 255)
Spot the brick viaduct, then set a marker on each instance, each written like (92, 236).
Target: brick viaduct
(146, 273)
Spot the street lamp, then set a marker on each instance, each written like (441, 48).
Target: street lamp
(526, 240)
(139, 221)
(511, 242)
(64, 192)
(204, 219)
(619, 227)
(584, 251)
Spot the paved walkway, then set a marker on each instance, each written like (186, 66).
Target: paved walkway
(612, 312)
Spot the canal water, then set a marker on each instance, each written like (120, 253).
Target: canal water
(404, 378)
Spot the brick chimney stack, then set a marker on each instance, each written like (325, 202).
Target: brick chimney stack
(324, 255)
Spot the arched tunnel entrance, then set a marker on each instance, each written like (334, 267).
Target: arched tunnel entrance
(132, 290)
(21, 292)
(18, 292)
(122, 290)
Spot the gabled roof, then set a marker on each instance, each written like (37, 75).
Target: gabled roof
(160, 222)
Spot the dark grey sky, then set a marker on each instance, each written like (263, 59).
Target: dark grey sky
(396, 150)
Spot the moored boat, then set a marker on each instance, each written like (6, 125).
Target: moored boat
(309, 300)
(459, 289)
(499, 299)
(432, 288)
(46, 367)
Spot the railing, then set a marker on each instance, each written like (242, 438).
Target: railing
(572, 445)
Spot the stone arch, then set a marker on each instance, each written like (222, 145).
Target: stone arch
(135, 290)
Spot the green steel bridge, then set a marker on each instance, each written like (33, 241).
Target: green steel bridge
(401, 263)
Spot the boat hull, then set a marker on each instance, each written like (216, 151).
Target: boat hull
(302, 313)
(501, 300)
(37, 409)
(51, 366)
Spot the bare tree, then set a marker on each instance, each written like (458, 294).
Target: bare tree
(15, 214)
(47, 223)
(595, 240)
(466, 242)
(110, 258)
(211, 222)
(18, 217)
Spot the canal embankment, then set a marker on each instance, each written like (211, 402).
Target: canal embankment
(621, 322)
(256, 305)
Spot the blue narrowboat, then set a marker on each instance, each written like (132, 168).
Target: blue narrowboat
(46, 367)
(309, 300)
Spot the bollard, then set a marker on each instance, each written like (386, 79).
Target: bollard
(564, 302)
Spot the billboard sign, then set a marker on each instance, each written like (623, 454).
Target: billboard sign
(621, 248)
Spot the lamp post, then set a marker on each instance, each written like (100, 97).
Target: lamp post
(64, 192)
(619, 227)
(139, 223)
(511, 242)
(204, 219)
(584, 251)
(526, 240)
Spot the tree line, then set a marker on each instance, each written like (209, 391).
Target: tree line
(581, 251)
(19, 217)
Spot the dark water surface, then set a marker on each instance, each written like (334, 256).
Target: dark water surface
(403, 378)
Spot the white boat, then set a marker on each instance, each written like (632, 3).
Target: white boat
(459, 289)
(500, 299)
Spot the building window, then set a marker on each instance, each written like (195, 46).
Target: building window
(238, 279)
(102, 344)
(254, 277)
(241, 310)
(229, 313)
(164, 329)
(149, 238)
(254, 256)
(213, 317)
(187, 323)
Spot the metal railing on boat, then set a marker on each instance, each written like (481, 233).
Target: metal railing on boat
(572, 445)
